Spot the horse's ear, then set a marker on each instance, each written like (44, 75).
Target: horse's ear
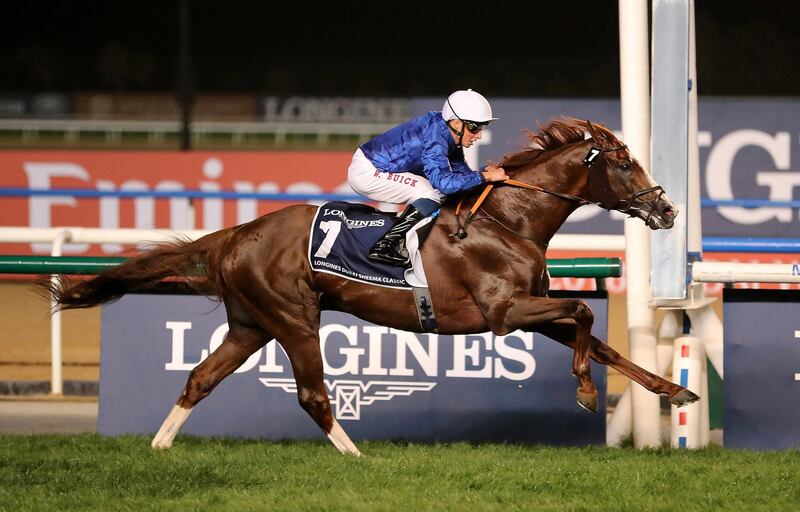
(591, 129)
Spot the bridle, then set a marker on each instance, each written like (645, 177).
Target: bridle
(626, 205)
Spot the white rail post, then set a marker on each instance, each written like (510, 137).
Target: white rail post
(670, 328)
(635, 100)
(619, 425)
(56, 377)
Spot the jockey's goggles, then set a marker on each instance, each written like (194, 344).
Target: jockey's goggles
(474, 127)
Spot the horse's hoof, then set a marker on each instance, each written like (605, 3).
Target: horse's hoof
(160, 444)
(588, 400)
(683, 397)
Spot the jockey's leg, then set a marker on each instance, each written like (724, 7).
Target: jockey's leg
(390, 248)
(397, 188)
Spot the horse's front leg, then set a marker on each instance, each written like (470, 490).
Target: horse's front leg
(523, 311)
(296, 327)
(602, 353)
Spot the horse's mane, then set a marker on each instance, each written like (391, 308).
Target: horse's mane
(557, 133)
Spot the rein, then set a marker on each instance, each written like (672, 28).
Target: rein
(461, 232)
(569, 197)
(590, 158)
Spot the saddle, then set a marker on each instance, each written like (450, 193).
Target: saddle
(341, 236)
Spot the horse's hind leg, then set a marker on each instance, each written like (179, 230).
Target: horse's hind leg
(604, 354)
(306, 358)
(289, 309)
(239, 344)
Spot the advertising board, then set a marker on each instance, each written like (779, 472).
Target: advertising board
(383, 383)
(762, 369)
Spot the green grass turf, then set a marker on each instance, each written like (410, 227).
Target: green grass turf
(90, 472)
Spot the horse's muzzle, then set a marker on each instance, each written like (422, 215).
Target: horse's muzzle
(663, 214)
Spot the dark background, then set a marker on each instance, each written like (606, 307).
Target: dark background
(533, 49)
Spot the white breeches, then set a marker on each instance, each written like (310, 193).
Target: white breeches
(388, 187)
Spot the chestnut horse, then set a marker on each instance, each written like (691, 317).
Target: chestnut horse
(493, 279)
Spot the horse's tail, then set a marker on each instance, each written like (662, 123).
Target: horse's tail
(196, 262)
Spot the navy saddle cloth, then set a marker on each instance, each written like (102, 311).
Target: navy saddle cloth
(341, 237)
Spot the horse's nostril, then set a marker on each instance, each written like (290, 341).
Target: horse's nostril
(668, 212)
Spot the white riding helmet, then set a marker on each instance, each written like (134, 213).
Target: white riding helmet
(467, 106)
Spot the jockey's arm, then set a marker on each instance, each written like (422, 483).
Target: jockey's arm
(489, 173)
(494, 172)
(451, 176)
(449, 179)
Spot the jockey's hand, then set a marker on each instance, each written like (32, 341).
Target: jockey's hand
(494, 172)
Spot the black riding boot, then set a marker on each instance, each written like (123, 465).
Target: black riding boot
(391, 249)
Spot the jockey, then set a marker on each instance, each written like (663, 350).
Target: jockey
(420, 162)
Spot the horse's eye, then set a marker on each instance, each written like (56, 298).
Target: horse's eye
(625, 166)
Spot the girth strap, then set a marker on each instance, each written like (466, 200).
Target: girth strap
(424, 305)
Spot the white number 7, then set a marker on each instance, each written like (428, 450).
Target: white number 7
(332, 228)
